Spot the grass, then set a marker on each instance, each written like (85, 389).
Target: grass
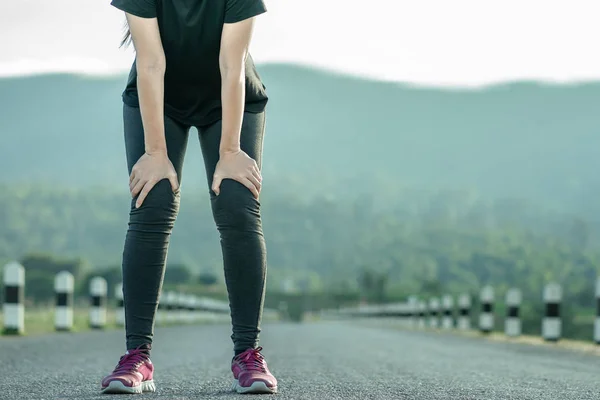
(588, 347)
(40, 321)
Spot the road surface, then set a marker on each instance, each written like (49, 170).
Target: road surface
(325, 360)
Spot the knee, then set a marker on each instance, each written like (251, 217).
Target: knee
(159, 209)
(236, 208)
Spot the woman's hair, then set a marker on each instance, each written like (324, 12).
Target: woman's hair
(126, 41)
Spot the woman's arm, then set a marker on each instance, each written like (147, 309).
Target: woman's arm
(154, 165)
(150, 66)
(233, 162)
(235, 41)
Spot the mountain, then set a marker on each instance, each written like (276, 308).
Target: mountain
(331, 132)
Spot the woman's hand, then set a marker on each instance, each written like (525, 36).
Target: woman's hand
(238, 166)
(149, 170)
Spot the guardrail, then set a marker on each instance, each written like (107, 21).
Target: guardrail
(173, 307)
(448, 314)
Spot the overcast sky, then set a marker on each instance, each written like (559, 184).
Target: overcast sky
(437, 42)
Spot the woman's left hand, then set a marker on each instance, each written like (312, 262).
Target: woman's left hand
(240, 167)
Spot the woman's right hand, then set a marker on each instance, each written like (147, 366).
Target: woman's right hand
(150, 169)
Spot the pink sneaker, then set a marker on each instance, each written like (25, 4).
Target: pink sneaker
(250, 373)
(133, 374)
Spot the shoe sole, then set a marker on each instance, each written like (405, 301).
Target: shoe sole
(117, 387)
(257, 387)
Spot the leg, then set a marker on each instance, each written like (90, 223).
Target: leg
(150, 226)
(237, 215)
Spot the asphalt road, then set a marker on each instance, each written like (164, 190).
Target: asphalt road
(327, 360)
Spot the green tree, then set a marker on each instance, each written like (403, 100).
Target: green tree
(207, 279)
(177, 274)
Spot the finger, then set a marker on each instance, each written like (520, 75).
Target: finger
(216, 186)
(174, 183)
(132, 175)
(147, 187)
(138, 186)
(255, 182)
(133, 183)
(256, 174)
(248, 183)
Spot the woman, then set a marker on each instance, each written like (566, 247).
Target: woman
(192, 69)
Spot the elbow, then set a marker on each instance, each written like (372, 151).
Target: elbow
(231, 70)
(151, 65)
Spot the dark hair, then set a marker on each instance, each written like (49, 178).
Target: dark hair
(126, 41)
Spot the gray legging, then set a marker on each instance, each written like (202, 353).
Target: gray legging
(236, 213)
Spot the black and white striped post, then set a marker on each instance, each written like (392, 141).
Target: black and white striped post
(422, 315)
(181, 307)
(195, 307)
(447, 319)
(98, 292)
(160, 313)
(64, 285)
(198, 309)
(120, 312)
(434, 309)
(204, 306)
(170, 304)
(512, 325)
(597, 321)
(189, 308)
(14, 299)
(464, 312)
(486, 317)
(413, 311)
(551, 325)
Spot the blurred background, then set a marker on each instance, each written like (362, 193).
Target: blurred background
(412, 148)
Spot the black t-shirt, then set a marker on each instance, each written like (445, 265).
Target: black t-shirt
(191, 36)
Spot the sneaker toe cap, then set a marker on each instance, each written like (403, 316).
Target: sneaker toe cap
(123, 379)
(246, 380)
